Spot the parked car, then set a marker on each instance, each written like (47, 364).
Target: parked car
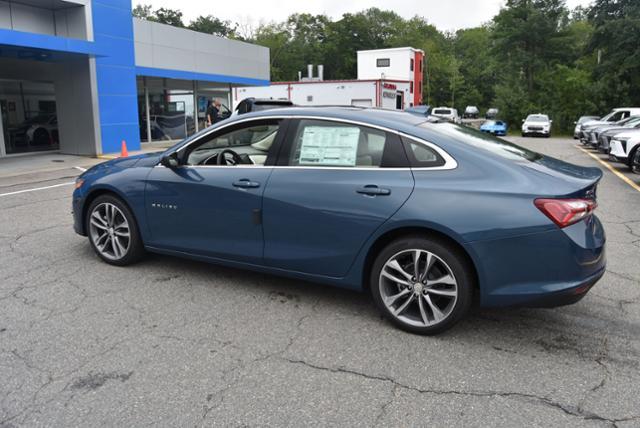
(604, 140)
(635, 163)
(615, 115)
(580, 121)
(423, 215)
(451, 114)
(536, 124)
(593, 134)
(495, 127)
(624, 146)
(471, 112)
(420, 110)
(251, 104)
(492, 113)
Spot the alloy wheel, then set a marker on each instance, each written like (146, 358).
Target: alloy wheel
(418, 288)
(109, 230)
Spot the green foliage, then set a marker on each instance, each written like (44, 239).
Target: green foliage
(534, 56)
(211, 25)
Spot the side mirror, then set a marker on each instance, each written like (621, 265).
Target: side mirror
(169, 161)
(550, 121)
(522, 120)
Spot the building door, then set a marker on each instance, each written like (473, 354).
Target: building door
(399, 101)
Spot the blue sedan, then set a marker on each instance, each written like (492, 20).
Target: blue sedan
(495, 127)
(426, 216)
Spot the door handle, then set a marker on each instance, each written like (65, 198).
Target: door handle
(373, 190)
(245, 183)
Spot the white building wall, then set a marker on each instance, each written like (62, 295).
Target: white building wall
(399, 64)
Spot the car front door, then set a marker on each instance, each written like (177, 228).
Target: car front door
(210, 204)
(334, 185)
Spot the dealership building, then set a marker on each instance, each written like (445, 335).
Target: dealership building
(81, 76)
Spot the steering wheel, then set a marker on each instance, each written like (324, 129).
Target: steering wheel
(222, 158)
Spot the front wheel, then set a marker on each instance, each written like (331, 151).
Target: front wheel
(113, 231)
(422, 285)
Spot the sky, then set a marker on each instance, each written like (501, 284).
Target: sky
(444, 14)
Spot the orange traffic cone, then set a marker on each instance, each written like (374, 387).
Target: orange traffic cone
(123, 151)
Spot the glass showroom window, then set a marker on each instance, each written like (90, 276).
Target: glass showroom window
(206, 93)
(29, 120)
(171, 109)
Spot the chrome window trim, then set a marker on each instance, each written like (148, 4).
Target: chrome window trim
(449, 161)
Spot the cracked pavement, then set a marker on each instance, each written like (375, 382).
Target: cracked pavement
(181, 343)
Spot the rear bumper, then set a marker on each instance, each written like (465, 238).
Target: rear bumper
(551, 268)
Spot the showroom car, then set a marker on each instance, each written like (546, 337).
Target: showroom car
(536, 125)
(495, 127)
(615, 115)
(425, 215)
(448, 113)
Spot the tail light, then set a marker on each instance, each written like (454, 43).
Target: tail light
(565, 212)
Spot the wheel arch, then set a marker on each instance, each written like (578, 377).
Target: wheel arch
(94, 194)
(408, 231)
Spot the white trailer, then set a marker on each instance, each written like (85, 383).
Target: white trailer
(389, 94)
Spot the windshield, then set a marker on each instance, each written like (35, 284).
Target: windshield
(537, 118)
(484, 141)
(490, 123)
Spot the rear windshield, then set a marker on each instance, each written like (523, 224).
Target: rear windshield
(482, 140)
(442, 111)
(269, 106)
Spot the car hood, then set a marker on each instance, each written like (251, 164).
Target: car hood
(628, 134)
(619, 130)
(536, 123)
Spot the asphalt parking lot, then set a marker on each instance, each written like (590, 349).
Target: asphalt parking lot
(179, 343)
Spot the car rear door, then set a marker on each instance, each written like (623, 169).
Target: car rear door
(214, 210)
(334, 184)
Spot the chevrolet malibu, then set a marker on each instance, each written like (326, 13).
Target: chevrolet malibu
(425, 215)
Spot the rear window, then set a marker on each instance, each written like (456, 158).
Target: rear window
(269, 106)
(484, 141)
(443, 111)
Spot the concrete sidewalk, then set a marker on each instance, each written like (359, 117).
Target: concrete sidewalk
(48, 162)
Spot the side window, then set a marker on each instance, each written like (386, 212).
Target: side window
(616, 117)
(244, 144)
(421, 155)
(335, 144)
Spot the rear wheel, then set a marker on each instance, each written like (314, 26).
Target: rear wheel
(113, 231)
(422, 285)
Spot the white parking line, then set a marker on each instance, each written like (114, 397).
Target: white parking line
(79, 168)
(36, 189)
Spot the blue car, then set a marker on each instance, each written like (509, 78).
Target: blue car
(426, 216)
(495, 127)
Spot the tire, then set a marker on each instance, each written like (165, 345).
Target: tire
(629, 159)
(524, 134)
(114, 237)
(404, 310)
(41, 137)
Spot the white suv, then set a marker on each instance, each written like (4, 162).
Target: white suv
(537, 124)
(623, 146)
(448, 113)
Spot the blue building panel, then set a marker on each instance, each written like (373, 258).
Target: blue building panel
(115, 74)
(114, 134)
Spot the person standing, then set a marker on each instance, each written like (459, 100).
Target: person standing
(213, 112)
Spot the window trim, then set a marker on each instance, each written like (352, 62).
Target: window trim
(450, 162)
(386, 61)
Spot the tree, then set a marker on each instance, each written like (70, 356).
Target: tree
(211, 25)
(162, 15)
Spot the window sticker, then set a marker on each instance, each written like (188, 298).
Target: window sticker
(324, 145)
